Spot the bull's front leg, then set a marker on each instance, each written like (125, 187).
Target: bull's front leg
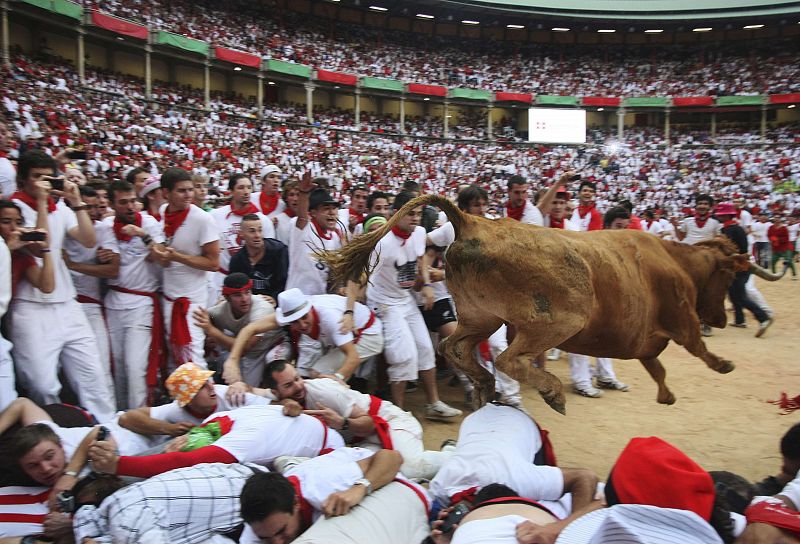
(459, 350)
(516, 362)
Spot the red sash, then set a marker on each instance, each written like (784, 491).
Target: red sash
(367, 325)
(118, 225)
(465, 495)
(419, 493)
(31, 202)
(547, 452)
(180, 338)
(268, 202)
(306, 510)
(83, 299)
(381, 425)
(776, 515)
(324, 449)
(157, 358)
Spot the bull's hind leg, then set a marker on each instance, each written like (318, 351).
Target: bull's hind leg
(516, 362)
(659, 374)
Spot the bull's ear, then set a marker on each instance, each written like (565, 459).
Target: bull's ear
(741, 263)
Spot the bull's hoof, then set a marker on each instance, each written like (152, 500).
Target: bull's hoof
(668, 399)
(725, 366)
(557, 402)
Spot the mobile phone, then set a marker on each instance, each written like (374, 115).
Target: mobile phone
(66, 502)
(454, 517)
(576, 177)
(33, 236)
(56, 181)
(102, 434)
(76, 155)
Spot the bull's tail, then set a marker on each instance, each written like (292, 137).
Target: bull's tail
(352, 261)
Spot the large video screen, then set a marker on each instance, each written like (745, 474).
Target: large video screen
(556, 126)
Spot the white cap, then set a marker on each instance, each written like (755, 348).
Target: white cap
(292, 305)
(270, 169)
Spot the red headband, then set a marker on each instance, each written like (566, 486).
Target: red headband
(231, 290)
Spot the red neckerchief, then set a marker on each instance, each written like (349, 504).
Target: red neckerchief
(738, 213)
(174, 220)
(306, 510)
(289, 212)
(515, 213)
(250, 208)
(137, 220)
(315, 326)
(323, 233)
(701, 221)
(197, 414)
(31, 202)
(583, 210)
(403, 235)
(556, 223)
(268, 202)
(156, 216)
(354, 213)
(729, 222)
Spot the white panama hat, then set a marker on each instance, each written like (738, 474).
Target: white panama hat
(292, 305)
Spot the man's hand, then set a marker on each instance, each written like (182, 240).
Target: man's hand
(103, 456)
(231, 372)
(270, 300)
(133, 230)
(428, 296)
(347, 324)
(236, 394)
(529, 532)
(104, 256)
(292, 408)
(338, 504)
(43, 188)
(566, 177)
(306, 184)
(437, 535)
(71, 193)
(57, 525)
(331, 418)
(179, 429)
(203, 320)
(762, 533)
(176, 444)
(65, 483)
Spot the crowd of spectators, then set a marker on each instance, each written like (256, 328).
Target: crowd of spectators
(767, 67)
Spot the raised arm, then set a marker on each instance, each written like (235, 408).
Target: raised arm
(231, 372)
(23, 411)
(305, 187)
(550, 195)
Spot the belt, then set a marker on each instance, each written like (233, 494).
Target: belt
(84, 299)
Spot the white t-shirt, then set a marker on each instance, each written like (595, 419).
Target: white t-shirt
(135, 271)
(497, 444)
(128, 442)
(58, 223)
(568, 224)
(653, 227)
(173, 413)
(667, 228)
(443, 236)
(228, 225)
(329, 309)
(306, 272)
(222, 318)
(759, 231)
(262, 433)
(254, 198)
(532, 214)
(8, 178)
(696, 233)
(395, 267)
(500, 530)
(180, 280)
(284, 226)
(745, 219)
(793, 230)
(85, 284)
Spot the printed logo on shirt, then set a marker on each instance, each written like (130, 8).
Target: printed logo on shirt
(406, 274)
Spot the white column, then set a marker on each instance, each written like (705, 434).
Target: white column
(81, 54)
(666, 126)
(260, 96)
(713, 125)
(5, 31)
(207, 84)
(446, 133)
(148, 72)
(620, 123)
(489, 126)
(402, 115)
(310, 102)
(358, 108)
(764, 122)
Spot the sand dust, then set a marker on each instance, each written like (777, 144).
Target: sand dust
(721, 421)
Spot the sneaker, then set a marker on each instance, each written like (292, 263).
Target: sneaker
(441, 411)
(411, 386)
(588, 391)
(286, 462)
(738, 325)
(705, 330)
(616, 385)
(763, 326)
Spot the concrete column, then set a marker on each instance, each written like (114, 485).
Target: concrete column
(310, 102)
(148, 72)
(620, 123)
(666, 126)
(260, 96)
(713, 125)
(764, 122)
(358, 108)
(489, 127)
(81, 54)
(446, 133)
(402, 115)
(207, 84)
(5, 30)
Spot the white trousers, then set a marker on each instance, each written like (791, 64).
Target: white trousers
(504, 384)
(48, 334)
(394, 514)
(407, 343)
(755, 295)
(94, 314)
(8, 388)
(333, 358)
(196, 350)
(131, 333)
(582, 372)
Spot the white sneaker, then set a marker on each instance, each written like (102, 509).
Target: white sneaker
(441, 411)
(588, 391)
(606, 383)
(286, 462)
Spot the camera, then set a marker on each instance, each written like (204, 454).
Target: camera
(33, 236)
(66, 502)
(454, 517)
(56, 181)
(102, 434)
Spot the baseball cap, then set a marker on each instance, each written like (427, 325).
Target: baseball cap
(186, 381)
(270, 169)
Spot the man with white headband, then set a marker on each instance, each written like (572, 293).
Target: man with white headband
(268, 200)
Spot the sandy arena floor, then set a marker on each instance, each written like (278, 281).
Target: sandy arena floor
(722, 421)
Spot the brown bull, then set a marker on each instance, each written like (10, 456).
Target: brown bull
(622, 294)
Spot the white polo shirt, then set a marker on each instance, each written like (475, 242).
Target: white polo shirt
(197, 230)
(695, 233)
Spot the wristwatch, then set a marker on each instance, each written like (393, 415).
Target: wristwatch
(72, 473)
(366, 483)
(340, 376)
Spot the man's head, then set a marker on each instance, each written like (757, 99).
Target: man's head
(617, 218)
(137, 177)
(123, 201)
(240, 188)
(291, 194)
(703, 204)
(323, 209)
(200, 184)
(412, 188)
(790, 450)
(191, 386)
(412, 218)
(739, 202)
(38, 451)
(473, 200)
(284, 381)
(178, 185)
(271, 179)
(763, 216)
(725, 211)
(270, 505)
(152, 193)
(89, 197)
(358, 198)
(378, 202)
(294, 309)
(10, 219)
(374, 221)
(251, 231)
(586, 192)
(558, 207)
(518, 190)
(32, 166)
(101, 188)
(238, 291)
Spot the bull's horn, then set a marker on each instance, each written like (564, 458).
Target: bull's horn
(766, 274)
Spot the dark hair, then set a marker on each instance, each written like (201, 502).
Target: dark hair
(7, 204)
(790, 443)
(250, 217)
(359, 188)
(34, 159)
(289, 185)
(626, 204)
(172, 176)
(98, 184)
(28, 437)
(264, 494)
(702, 197)
(411, 186)
(130, 177)
(587, 184)
(493, 491)
(119, 186)
(401, 200)
(236, 280)
(516, 180)
(617, 212)
(87, 191)
(235, 179)
(375, 196)
(468, 194)
(278, 365)
(648, 214)
(95, 488)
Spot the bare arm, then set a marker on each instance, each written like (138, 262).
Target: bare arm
(203, 320)
(550, 195)
(379, 469)
(106, 270)
(351, 360)
(84, 233)
(582, 483)
(304, 188)
(208, 259)
(23, 411)
(231, 372)
(139, 421)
